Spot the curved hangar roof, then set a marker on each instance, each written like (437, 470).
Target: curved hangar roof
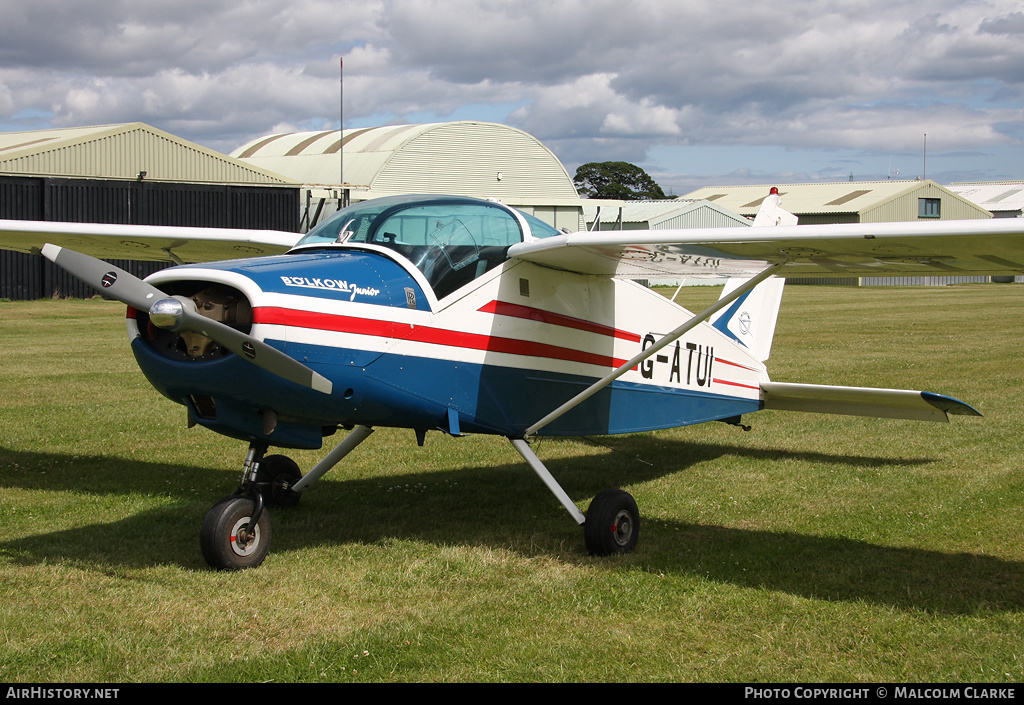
(486, 160)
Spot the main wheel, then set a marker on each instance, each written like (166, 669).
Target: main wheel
(275, 478)
(227, 540)
(612, 525)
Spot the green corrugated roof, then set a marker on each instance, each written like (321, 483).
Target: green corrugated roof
(121, 152)
(831, 197)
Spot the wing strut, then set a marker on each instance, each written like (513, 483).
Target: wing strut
(649, 352)
(354, 438)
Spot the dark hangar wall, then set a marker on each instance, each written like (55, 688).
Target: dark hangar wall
(26, 277)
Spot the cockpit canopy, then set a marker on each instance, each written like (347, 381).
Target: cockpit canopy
(451, 240)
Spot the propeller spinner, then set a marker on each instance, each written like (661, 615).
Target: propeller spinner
(178, 314)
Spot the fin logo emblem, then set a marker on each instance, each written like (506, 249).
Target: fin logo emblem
(744, 323)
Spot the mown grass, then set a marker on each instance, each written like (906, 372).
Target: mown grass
(813, 548)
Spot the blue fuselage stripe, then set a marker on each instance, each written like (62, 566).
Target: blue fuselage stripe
(405, 391)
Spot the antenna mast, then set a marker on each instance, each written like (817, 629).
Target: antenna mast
(343, 193)
(341, 126)
(924, 166)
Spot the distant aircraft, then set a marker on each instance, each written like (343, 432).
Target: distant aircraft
(465, 316)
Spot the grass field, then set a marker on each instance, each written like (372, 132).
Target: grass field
(812, 548)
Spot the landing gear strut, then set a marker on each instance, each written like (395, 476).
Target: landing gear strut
(612, 522)
(236, 531)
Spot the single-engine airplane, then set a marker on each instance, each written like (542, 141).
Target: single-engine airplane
(465, 316)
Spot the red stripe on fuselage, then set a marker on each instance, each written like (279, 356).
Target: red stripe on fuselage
(735, 384)
(274, 315)
(503, 308)
(735, 364)
(425, 334)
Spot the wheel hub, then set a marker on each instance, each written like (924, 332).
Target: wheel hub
(244, 542)
(622, 528)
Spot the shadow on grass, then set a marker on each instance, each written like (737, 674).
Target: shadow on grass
(508, 507)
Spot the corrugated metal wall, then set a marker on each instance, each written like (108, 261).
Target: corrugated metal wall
(921, 281)
(897, 281)
(26, 277)
(29, 277)
(568, 217)
(905, 207)
(828, 218)
(701, 217)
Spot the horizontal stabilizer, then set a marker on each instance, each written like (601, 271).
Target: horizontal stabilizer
(862, 401)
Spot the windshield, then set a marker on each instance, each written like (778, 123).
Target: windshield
(538, 228)
(451, 240)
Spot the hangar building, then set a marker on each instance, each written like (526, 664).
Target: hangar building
(130, 173)
(660, 215)
(850, 201)
(1003, 199)
(466, 158)
(857, 202)
(135, 173)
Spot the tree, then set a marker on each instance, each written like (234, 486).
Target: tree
(618, 180)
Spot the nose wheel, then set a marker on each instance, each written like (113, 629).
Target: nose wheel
(236, 531)
(229, 539)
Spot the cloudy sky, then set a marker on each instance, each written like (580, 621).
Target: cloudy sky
(696, 92)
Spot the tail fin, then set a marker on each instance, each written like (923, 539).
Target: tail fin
(750, 320)
(771, 212)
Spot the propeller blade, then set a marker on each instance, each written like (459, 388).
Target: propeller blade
(105, 277)
(179, 314)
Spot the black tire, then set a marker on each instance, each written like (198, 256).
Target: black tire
(275, 478)
(612, 525)
(224, 544)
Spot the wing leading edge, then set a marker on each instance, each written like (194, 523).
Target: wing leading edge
(951, 247)
(145, 242)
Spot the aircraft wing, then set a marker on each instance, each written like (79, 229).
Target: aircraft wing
(144, 242)
(944, 247)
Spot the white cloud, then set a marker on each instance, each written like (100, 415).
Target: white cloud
(593, 79)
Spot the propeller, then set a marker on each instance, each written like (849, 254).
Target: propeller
(178, 314)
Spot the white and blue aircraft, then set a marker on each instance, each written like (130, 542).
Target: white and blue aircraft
(465, 316)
